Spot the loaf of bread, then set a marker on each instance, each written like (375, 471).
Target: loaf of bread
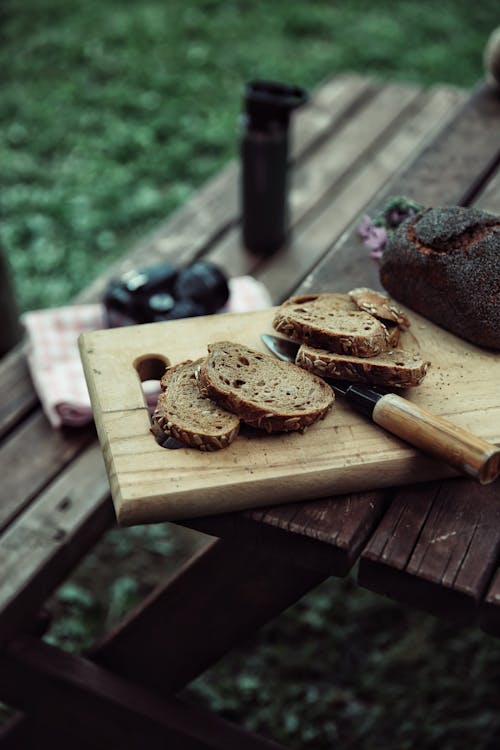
(262, 391)
(182, 413)
(444, 263)
(395, 368)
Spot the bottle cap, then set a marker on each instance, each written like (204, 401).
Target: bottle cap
(269, 103)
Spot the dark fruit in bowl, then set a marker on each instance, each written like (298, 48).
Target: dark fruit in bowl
(204, 283)
(145, 281)
(119, 305)
(147, 307)
(183, 308)
(161, 292)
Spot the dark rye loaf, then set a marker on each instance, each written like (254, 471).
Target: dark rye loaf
(444, 263)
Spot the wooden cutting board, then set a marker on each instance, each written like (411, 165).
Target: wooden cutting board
(343, 453)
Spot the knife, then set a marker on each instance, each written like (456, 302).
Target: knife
(455, 446)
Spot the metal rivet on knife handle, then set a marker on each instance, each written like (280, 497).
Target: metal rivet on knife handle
(464, 451)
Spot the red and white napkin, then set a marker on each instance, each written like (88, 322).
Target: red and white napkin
(54, 358)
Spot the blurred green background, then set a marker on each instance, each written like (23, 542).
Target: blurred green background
(112, 112)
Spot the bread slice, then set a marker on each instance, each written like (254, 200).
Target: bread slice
(330, 322)
(325, 300)
(264, 392)
(182, 412)
(396, 368)
(379, 305)
(364, 299)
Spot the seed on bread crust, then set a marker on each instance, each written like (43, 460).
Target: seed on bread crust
(395, 368)
(379, 305)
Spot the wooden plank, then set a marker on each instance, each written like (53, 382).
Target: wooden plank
(344, 522)
(332, 103)
(489, 612)
(17, 397)
(450, 162)
(436, 550)
(43, 545)
(352, 144)
(31, 457)
(489, 198)
(213, 603)
(325, 535)
(71, 698)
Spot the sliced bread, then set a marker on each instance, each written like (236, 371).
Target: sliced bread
(182, 412)
(264, 392)
(379, 305)
(325, 300)
(331, 323)
(395, 368)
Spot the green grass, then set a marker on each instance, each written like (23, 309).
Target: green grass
(113, 112)
(345, 668)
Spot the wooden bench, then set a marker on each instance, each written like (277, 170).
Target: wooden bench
(358, 142)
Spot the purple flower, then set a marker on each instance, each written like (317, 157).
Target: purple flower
(374, 232)
(373, 236)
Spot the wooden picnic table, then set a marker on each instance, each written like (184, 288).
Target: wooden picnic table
(434, 545)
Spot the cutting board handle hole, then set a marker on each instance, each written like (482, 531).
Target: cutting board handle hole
(150, 366)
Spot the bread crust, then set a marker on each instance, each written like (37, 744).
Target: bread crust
(183, 414)
(380, 306)
(254, 386)
(444, 263)
(396, 368)
(333, 322)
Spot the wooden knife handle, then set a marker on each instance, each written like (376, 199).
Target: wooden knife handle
(432, 434)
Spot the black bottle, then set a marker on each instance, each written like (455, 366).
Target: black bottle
(264, 163)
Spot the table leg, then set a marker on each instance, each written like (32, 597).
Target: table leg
(71, 702)
(220, 597)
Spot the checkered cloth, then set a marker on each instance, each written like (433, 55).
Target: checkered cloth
(54, 358)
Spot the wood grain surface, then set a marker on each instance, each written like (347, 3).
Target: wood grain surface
(437, 545)
(343, 453)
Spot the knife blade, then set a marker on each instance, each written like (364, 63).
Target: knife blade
(464, 451)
